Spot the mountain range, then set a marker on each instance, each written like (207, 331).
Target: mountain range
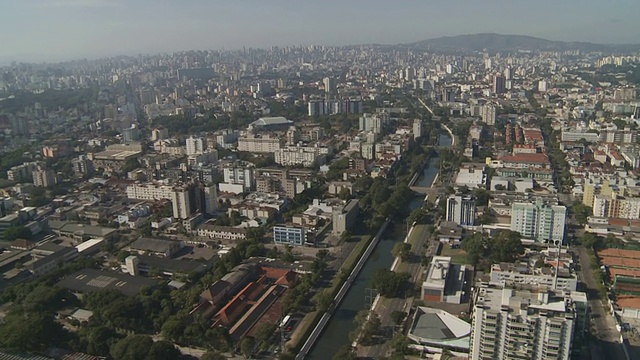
(511, 43)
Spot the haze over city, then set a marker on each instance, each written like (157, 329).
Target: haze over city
(52, 30)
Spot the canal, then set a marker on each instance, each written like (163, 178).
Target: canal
(341, 324)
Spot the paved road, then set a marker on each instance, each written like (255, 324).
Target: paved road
(385, 306)
(608, 345)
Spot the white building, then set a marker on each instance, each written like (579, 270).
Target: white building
(524, 324)
(373, 122)
(240, 173)
(181, 203)
(472, 176)
(195, 145)
(44, 178)
(489, 114)
(307, 156)
(258, 144)
(539, 221)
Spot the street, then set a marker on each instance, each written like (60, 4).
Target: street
(608, 345)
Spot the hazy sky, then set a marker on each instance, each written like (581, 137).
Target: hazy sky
(67, 29)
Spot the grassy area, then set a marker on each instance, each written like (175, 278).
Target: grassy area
(458, 256)
(309, 321)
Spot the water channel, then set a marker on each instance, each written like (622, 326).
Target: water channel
(336, 334)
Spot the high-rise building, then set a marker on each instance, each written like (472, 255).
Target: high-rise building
(147, 96)
(525, 324)
(329, 85)
(417, 128)
(373, 122)
(539, 221)
(241, 174)
(499, 84)
(508, 73)
(461, 210)
(195, 145)
(489, 114)
(180, 199)
(160, 133)
(131, 134)
(44, 177)
(19, 126)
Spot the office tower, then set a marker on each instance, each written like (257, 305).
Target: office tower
(417, 128)
(461, 209)
(499, 84)
(489, 114)
(329, 85)
(195, 145)
(539, 221)
(525, 324)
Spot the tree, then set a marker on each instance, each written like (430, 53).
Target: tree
(345, 194)
(246, 347)
(29, 332)
(506, 247)
(98, 339)
(482, 197)
(345, 353)
(402, 250)
(346, 235)
(581, 212)
(397, 316)
(212, 355)
(399, 343)
(476, 248)
(500, 187)
(133, 347)
(265, 330)
(16, 232)
(163, 350)
(389, 283)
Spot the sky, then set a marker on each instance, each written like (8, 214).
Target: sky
(53, 30)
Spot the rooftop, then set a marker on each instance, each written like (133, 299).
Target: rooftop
(91, 280)
(438, 326)
(267, 121)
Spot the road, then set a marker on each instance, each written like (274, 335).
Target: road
(385, 306)
(608, 345)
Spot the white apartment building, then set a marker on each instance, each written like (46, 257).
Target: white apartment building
(149, 191)
(22, 172)
(240, 173)
(539, 221)
(508, 273)
(307, 156)
(195, 145)
(489, 114)
(373, 122)
(181, 203)
(258, 144)
(524, 324)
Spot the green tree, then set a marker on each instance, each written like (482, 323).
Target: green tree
(581, 212)
(17, 232)
(399, 343)
(22, 332)
(133, 347)
(482, 197)
(212, 355)
(345, 353)
(398, 316)
(265, 330)
(163, 350)
(506, 247)
(246, 347)
(402, 250)
(389, 283)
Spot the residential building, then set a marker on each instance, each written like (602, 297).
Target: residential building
(499, 84)
(489, 114)
(258, 144)
(539, 221)
(131, 134)
(344, 217)
(44, 178)
(461, 210)
(524, 324)
(240, 173)
(519, 273)
(289, 235)
(307, 156)
(226, 138)
(181, 202)
(373, 122)
(217, 232)
(22, 172)
(195, 145)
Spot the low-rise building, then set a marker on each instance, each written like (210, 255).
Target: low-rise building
(290, 235)
(217, 232)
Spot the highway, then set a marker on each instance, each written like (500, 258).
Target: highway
(317, 330)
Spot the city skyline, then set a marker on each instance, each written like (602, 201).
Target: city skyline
(55, 30)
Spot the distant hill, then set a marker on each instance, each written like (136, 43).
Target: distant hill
(510, 43)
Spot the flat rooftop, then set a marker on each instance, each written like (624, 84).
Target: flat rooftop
(92, 280)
